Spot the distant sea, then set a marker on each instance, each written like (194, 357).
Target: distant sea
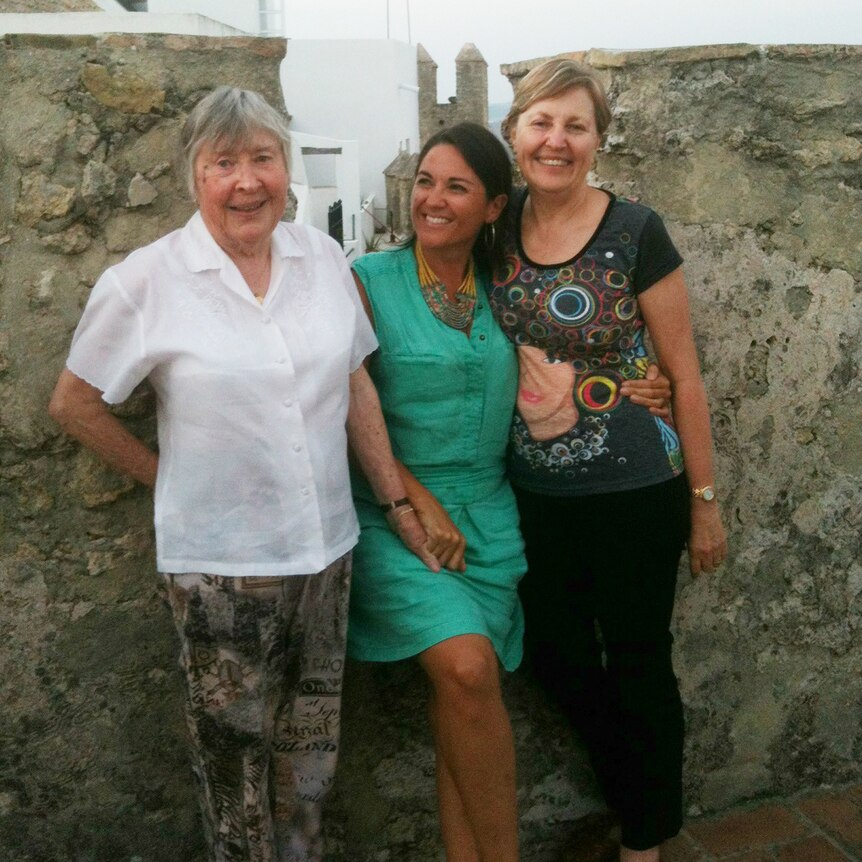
(496, 114)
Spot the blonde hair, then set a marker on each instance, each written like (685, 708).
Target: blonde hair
(551, 79)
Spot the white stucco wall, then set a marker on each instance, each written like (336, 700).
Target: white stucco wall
(84, 23)
(241, 14)
(313, 200)
(363, 90)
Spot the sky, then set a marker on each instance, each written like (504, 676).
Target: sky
(507, 32)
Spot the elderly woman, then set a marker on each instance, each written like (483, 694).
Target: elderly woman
(252, 336)
(606, 505)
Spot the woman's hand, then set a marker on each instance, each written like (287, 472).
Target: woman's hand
(707, 544)
(405, 524)
(369, 443)
(445, 541)
(652, 391)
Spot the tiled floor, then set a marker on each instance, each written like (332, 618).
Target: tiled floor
(818, 827)
(814, 827)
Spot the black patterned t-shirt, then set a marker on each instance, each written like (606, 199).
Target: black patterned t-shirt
(579, 333)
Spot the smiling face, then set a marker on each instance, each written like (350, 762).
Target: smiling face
(242, 192)
(449, 204)
(555, 142)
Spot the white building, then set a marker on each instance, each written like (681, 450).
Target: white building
(114, 20)
(364, 90)
(324, 169)
(259, 17)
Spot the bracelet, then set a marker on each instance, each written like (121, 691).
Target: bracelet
(404, 511)
(386, 508)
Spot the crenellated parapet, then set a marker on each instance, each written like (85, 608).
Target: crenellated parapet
(470, 101)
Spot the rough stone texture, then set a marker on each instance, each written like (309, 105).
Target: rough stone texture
(92, 758)
(470, 101)
(92, 766)
(753, 157)
(49, 6)
(400, 174)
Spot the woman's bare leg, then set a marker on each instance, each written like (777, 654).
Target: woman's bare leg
(475, 751)
(454, 825)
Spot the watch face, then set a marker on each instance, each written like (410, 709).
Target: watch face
(708, 494)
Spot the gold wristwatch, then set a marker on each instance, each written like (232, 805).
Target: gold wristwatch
(706, 493)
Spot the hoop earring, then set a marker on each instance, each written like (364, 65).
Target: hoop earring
(490, 234)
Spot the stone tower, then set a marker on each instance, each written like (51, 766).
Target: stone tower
(426, 74)
(471, 85)
(399, 184)
(471, 88)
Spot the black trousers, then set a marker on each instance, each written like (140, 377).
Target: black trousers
(598, 599)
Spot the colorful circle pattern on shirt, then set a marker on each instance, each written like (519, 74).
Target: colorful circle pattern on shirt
(585, 312)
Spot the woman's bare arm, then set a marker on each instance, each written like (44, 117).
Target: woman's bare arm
(80, 411)
(370, 445)
(665, 310)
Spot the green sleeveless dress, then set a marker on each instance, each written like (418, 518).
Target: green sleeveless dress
(448, 402)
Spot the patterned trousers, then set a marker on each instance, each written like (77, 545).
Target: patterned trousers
(263, 660)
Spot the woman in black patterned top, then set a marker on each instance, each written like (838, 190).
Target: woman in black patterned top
(587, 275)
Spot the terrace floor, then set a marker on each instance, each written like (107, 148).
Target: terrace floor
(824, 826)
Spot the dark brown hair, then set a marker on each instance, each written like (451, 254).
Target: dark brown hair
(488, 159)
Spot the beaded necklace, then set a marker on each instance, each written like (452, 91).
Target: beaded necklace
(457, 312)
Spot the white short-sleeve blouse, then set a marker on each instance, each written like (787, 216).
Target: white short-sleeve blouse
(251, 399)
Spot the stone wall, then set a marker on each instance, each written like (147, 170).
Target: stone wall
(92, 760)
(754, 157)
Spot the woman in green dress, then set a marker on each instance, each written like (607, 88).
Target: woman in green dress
(447, 380)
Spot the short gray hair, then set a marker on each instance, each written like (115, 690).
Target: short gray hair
(229, 116)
